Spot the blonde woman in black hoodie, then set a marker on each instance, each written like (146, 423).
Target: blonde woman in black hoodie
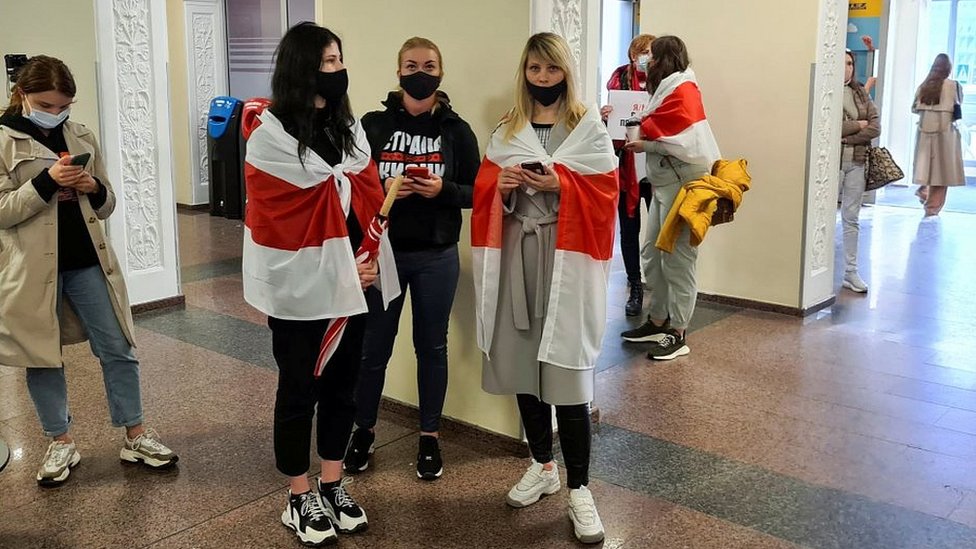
(419, 135)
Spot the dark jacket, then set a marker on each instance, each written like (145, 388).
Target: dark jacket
(417, 222)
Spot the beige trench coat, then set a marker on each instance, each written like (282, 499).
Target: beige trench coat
(938, 145)
(31, 334)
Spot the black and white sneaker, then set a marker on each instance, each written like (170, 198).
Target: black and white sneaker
(310, 521)
(359, 450)
(347, 515)
(671, 346)
(647, 331)
(430, 466)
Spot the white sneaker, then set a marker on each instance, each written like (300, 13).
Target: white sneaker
(586, 521)
(60, 458)
(309, 520)
(148, 449)
(535, 483)
(854, 283)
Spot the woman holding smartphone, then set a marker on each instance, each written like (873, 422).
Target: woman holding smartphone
(419, 135)
(542, 236)
(60, 281)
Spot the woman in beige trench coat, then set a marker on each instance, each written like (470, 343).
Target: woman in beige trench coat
(60, 282)
(938, 147)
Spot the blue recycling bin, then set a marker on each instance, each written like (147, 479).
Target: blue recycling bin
(225, 151)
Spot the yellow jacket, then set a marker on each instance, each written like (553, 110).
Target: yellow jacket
(697, 200)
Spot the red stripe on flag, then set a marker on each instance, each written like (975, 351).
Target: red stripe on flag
(680, 109)
(587, 212)
(285, 217)
(486, 216)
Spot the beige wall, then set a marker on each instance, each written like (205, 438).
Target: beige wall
(757, 95)
(179, 103)
(481, 43)
(66, 30)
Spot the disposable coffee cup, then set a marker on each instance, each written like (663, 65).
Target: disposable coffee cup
(632, 129)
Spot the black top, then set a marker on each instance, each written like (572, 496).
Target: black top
(323, 146)
(75, 248)
(439, 140)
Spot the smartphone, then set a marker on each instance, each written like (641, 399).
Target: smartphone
(80, 159)
(417, 171)
(536, 167)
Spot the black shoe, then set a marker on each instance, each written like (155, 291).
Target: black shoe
(636, 300)
(347, 515)
(359, 450)
(309, 519)
(671, 346)
(429, 463)
(646, 332)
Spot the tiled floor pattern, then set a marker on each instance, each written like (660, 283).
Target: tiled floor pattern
(854, 428)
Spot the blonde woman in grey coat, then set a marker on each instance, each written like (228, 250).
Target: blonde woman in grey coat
(938, 146)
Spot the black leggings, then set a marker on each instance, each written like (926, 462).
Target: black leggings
(630, 228)
(295, 344)
(574, 435)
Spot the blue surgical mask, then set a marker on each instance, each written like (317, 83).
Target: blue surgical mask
(46, 120)
(642, 61)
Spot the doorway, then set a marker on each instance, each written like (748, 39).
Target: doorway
(944, 26)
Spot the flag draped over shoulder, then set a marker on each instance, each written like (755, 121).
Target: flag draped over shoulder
(676, 120)
(298, 262)
(576, 312)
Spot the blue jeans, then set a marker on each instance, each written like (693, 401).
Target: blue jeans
(432, 276)
(89, 294)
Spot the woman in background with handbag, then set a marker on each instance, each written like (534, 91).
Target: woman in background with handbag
(861, 125)
(938, 146)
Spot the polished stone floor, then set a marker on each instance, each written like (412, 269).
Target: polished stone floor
(854, 428)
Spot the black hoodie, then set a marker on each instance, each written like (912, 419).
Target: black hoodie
(441, 141)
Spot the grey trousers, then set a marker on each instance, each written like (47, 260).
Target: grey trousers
(852, 192)
(670, 276)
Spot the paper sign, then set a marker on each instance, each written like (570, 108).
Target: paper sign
(626, 104)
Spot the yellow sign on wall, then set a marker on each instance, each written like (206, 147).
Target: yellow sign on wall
(865, 8)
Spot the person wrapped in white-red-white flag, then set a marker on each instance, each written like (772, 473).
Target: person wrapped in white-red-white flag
(586, 166)
(298, 263)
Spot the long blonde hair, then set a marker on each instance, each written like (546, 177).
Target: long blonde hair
(553, 49)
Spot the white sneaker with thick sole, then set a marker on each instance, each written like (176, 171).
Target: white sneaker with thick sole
(586, 520)
(305, 516)
(854, 283)
(148, 449)
(535, 483)
(60, 459)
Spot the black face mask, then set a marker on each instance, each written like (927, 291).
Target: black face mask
(548, 95)
(332, 86)
(420, 85)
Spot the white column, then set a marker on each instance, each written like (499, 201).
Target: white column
(206, 49)
(824, 155)
(578, 21)
(134, 115)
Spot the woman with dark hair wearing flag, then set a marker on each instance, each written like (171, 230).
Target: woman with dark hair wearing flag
(632, 76)
(680, 148)
(418, 131)
(312, 192)
(542, 238)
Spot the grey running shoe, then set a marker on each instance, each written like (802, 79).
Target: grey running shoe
(60, 458)
(148, 449)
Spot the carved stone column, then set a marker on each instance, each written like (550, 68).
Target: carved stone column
(824, 159)
(135, 140)
(206, 78)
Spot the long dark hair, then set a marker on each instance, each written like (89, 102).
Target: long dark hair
(297, 62)
(670, 56)
(40, 74)
(930, 92)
